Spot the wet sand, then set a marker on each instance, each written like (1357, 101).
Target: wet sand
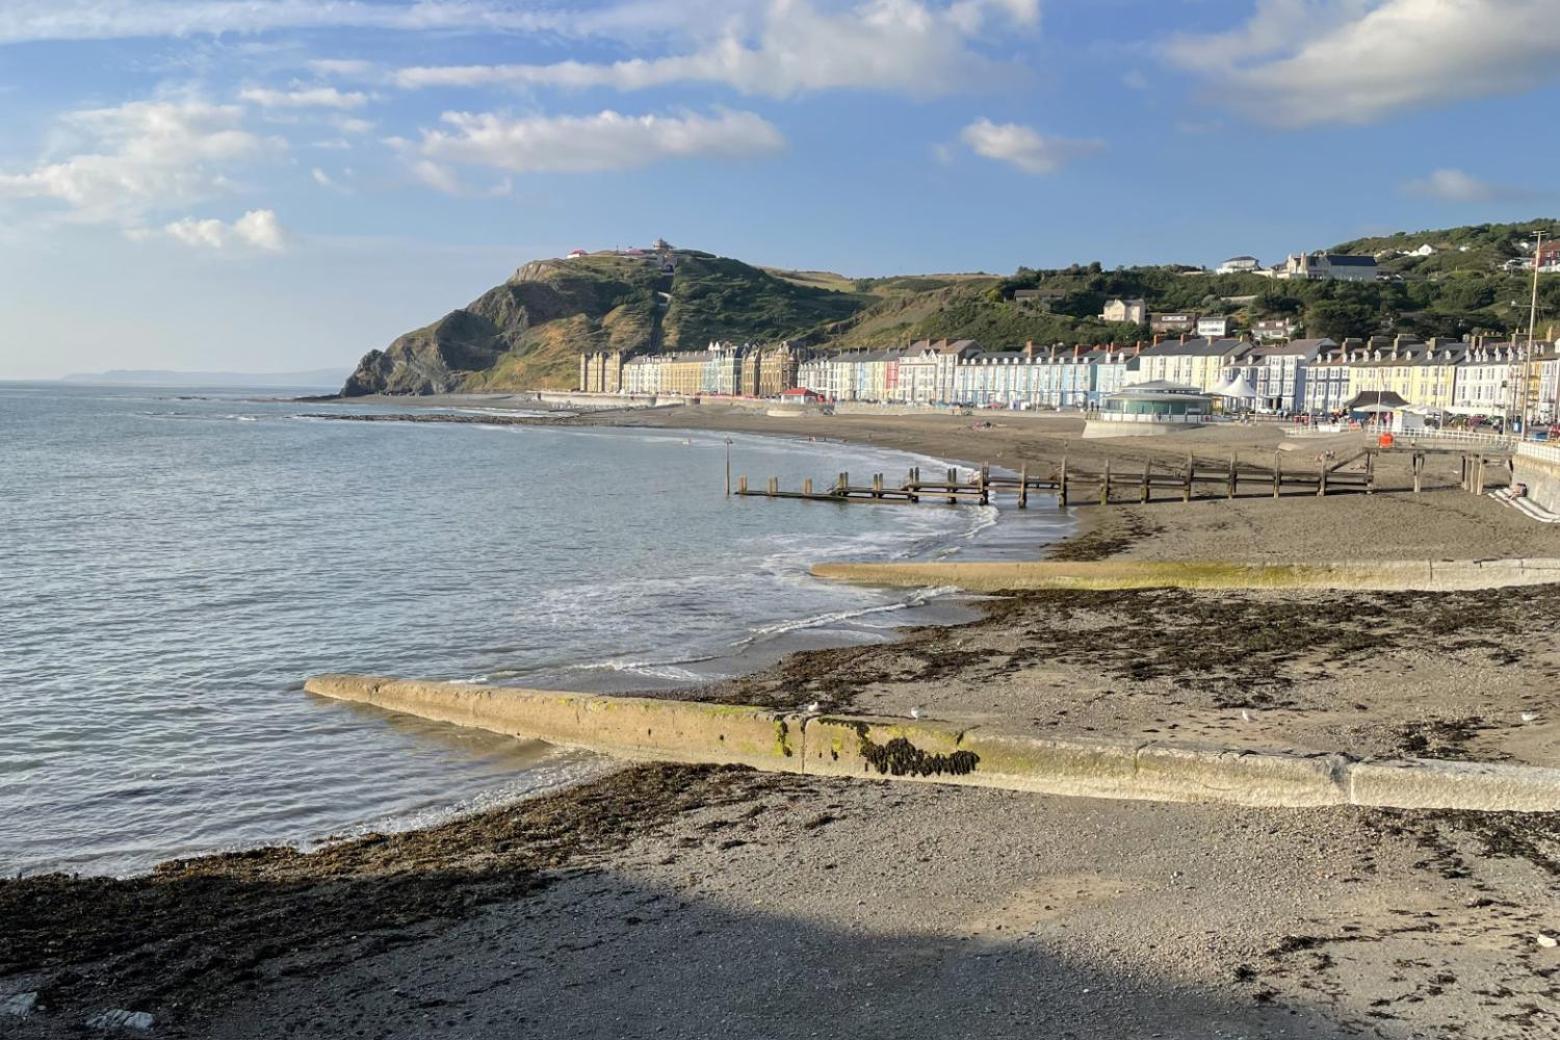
(694, 902)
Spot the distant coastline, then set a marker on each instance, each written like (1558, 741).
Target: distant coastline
(320, 377)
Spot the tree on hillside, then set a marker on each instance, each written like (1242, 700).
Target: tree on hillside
(1339, 320)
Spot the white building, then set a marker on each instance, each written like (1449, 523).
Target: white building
(1192, 362)
(1484, 383)
(1278, 373)
(1132, 312)
(1239, 265)
(1328, 383)
(1273, 330)
(1318, 267)
(1213, 326)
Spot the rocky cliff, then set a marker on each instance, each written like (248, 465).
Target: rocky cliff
(529, 332)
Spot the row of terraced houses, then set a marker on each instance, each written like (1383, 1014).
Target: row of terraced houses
(1315, 376)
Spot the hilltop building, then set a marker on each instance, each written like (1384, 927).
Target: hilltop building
(1172, 324)
(1239, 265)
(1132, 312)
(1321, 267)
(1274, 330)
(1213, 326)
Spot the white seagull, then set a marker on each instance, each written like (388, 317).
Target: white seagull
(915, 713)
(813, 708)
(1530, 716)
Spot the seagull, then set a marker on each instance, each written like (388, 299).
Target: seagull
(915, 713)
(1245, 716)
(1530, 716)
(813, 708)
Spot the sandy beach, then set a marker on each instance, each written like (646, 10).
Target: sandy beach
(688, 901)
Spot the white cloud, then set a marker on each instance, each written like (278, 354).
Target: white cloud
(916, 47)
(352, 125)
(257, 229)
(1452, 185)
(304, 97)
(1303, 62)
(27, 20)
(140, 157)
(1024, 147)
(606, 141)
(351, 67)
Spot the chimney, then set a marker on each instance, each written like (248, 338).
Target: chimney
(1157, 337)
(1077, 350)
(1183, 337)
(1029, 348)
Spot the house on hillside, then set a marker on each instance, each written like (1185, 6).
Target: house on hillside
(1132, 312)
(1172, 324)
(1322, 267)
(1274, 330)
(1239, 265)
(1213, 326)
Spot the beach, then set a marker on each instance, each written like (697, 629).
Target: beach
(693, 901)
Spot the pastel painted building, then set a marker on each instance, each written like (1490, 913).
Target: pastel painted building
(1189, 362)
(1278, 373)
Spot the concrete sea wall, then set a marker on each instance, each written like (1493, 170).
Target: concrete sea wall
(1538, 467)
(938, 752)
(1378, 576)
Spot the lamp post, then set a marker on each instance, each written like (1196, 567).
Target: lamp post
(728, 467)
(1527, 357)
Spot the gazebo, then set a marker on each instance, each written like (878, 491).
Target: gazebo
(1386, 409)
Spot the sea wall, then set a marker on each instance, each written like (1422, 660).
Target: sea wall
(931, 751)
(1377, 576)
(1538, 467)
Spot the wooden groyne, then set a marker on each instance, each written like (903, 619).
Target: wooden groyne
(1138, 483)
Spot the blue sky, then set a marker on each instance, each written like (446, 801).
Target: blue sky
(268, 185)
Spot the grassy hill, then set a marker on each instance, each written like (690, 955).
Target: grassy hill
(530, 331)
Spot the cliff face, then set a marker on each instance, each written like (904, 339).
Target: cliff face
(529, 332)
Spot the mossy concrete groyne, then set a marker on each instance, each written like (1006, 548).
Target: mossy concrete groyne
(927, 750)
(1362, 576)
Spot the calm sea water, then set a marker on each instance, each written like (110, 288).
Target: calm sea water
(174, 564)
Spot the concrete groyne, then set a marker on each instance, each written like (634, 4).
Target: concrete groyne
(924, 750)
(1359, 576)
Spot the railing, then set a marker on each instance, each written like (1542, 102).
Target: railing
(1497, 440)
(1540, 452)
(1148, 417)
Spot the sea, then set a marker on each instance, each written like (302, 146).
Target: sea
(174, 563)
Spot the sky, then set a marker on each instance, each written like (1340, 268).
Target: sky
(276, 185)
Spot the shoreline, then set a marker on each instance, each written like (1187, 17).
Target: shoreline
(1193, 917)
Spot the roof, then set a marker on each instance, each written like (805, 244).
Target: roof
(1234, 259)
(1294, 348)
(1375, 401)
(1199, 347)
(1344, 260)
(1161, 386)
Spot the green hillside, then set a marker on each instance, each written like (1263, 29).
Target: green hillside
(529, 332)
